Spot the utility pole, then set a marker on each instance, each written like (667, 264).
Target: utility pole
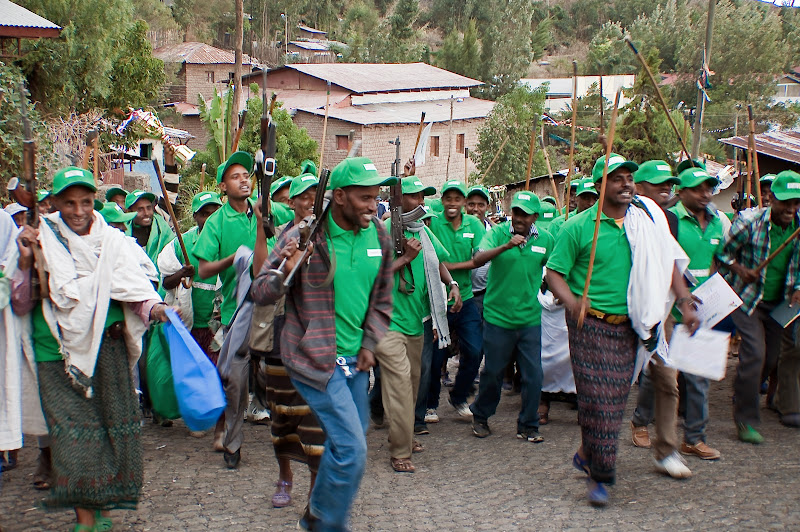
(698, 117)
(285, 18)
(237, 68)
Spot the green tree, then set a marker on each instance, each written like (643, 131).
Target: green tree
(514, 116)
(461, 56)
(506, 46)
(608, 53)
(403, 18)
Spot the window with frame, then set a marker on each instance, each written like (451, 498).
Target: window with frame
(342, 142)
(435, 146)
(460, 143)
(210, 76)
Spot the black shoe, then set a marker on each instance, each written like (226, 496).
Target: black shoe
(377, 420)
(308, 521)
(232, 459)
(421, 430)
(481, 429)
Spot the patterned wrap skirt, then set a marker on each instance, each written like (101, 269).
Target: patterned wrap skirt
(603, 358)
(96, 441)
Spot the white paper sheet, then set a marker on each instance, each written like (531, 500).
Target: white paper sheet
(718, 299)
(705, 354)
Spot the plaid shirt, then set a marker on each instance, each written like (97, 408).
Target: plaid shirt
(748, 245)
(308, 342)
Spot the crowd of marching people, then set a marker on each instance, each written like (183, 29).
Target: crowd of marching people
(320, 322)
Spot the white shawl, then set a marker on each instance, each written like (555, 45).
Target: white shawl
(654, 254)
(180, 296)
(86, 272)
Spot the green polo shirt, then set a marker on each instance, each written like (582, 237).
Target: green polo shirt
(281, 213)
(608, 291)
(203, 290)
(515, 277)
(461, 243)
(775, 280)
(45, 346)
(410, 309)
(700, 245)
(223, 233)
(358, 261)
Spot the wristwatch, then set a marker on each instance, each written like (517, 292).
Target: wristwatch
(454, 283)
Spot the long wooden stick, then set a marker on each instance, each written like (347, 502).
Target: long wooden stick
(752, 144)
(749, 168)
(572, 134)
(496, 155)
(530, 156)
(777, 251)
(203, 176)
(96, 160)
(419, 131)
(324, 129)
(237, 137)
(661, 99)
(188, 281)
(600, 201)
(466, 162)
(550, 170)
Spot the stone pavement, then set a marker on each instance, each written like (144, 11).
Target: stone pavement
(499, 483)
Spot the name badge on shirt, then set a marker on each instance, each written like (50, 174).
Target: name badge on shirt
(469, 235)
(548, 215)
(714, 241)
(374, 252)
(538, 249)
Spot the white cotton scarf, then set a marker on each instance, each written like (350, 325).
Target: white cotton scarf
(86, 272)
(654, 254)
(180, 296)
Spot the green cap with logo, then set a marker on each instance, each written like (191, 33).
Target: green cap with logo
(527, 201)
(358, 172)
(115, 191)
(455, 184)
(72, 176)
(308, 167)
(203, 198)
(786, 185)
(549, 199)
(136, 195)
(302, 183)
(768, 178)
(548, 212)
(686, 163)
(42, 194)
(693, 177)
(479, 189)
(412, 185)
(586, 186)
(239, 157)
(278, 184)
(576, 179)
(435, 204)
(113, 213)
(614, 162)
(655, 172)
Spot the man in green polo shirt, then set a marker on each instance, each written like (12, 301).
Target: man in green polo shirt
(755, 234)
(460, 234)
(400, 352)
(333, 327)
(603, 351)
(585, 197)
(518, 251)
(152, 232)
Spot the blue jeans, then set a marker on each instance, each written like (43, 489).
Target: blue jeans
(500, 345)
(696, 401)
(342, 413)
(424, 374)
(467, 324)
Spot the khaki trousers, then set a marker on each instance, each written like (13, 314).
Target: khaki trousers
(399, 357)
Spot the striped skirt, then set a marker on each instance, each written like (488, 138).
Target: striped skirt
(95, 442)
(603, 358)
(296, 434)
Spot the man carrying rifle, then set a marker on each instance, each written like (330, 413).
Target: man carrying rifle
(338, 307)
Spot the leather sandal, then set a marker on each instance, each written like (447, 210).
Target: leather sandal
(282, 496)
(402, 465)
(417, 447)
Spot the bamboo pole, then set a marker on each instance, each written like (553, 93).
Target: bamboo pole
(777, 251)
(466, 168)
(550, 171)
(600, 201)
(419, 131)
(749, 169)
(571, 169)
(324, 130)
(496, 155)
(752, 145)
(187, 282)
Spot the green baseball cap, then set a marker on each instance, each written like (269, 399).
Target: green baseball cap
(302, 183)
(98, 205)
(548, 199)
(42, 194)
(72, 176)
(435, 204)
(114, 191)
(695, 176)
(527, 201)
(412, 185)
(308, 167)
(455, 184)
(686, 163)
(786, 185)
(203, 198)
(614, 161)
(577, 179)
(239, 157)
(429, 213)
(768, 178)
(358, 172)
(586, 186)
(278, 184)
(655, 172)
(136, 195)
(113, 213)
(549, 211)
(479, 189)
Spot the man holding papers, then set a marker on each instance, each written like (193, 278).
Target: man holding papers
(754, 236)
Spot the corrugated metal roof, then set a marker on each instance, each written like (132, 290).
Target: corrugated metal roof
(196, 53)
(15, 16)
(379, 77)
(784, 145)
(407, 112)
(308, 45)
(311, 30)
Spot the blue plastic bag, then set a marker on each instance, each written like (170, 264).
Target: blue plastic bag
(198, 387)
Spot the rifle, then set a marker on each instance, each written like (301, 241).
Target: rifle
(396, 210)
(265, 160)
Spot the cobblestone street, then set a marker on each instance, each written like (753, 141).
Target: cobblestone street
(461, 482)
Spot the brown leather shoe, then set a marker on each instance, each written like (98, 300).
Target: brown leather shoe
(701, 450)
(640, 436)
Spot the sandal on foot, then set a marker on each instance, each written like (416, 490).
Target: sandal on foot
(402, 465)
(282, 497)
(544, 417)
(580, 464)
(102, 523)
(83, 528)
(417, 447)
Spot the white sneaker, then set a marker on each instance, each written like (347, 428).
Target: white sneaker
(257, 415)
(431, 416)
(673, 465)
(462, 409)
